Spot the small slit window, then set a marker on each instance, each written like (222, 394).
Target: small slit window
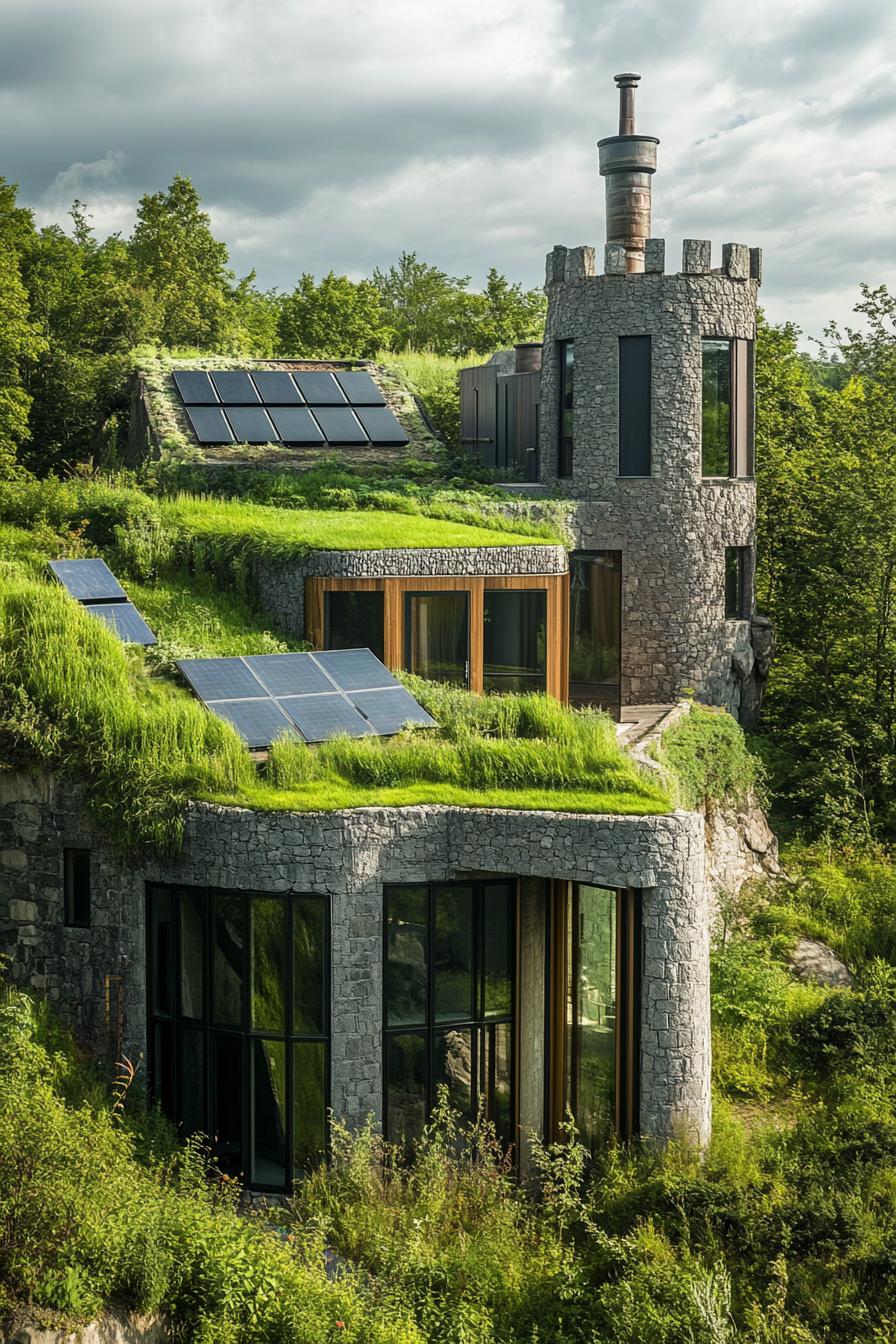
(566, 358)
(737, 564)
(76, 888)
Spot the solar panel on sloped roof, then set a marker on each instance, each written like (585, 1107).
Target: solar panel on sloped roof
(380, 425)
(124, 619)
(340, 424)
(389, 710)
(235, 387)
(209, 424)
(195, 387)
(319, 388)
(276, 388)
(258, 722)
(251, 424)
(289, 673)
(360, 388)
(88, 580)
(320, 717)
(355, 669)
(295, 424)
(221, 679)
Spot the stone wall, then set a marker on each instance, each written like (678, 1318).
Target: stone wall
(281, 588)
(674, 525)
(348, 856)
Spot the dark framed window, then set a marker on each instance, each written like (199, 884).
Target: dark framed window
(354, 620)
(449, 988)
(515, 639)
(76, 888)
(737, 582)
(597, 1003)
(595, 629)
(634, 405)
(437, 636)
(566, 365)
(728, 419)
(238, 992)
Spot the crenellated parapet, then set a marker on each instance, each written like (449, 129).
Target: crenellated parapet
(566, 265)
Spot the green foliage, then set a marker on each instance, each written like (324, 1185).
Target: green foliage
(708, 753)
(337, 319)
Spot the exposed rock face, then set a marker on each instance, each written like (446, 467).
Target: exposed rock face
(813, 960)
(740, 846)
(110, 1329)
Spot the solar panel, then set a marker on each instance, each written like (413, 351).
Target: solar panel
(276, 388)
(250, 424)
(389, 711)
(88, 580)
(258, 722)
(380, 425)
(124, 619)
(289, 673)
(209, 424)
(195, 387)
(235, 386)
(221, 679)
(320, 717)
(295, 424)
(355, 669)
(339, 424)
(319, 389)
(360, 388)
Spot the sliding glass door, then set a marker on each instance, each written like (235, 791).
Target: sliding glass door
(515, 639)
(437, 636)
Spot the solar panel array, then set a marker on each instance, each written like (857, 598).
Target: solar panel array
(308, 696)
(92, 583)
(307, 408)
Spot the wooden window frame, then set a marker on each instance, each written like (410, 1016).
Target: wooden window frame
(395, 589)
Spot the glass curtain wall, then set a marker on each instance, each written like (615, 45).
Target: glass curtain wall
(437, 636)
(515, 640)
(354, 620)
(450, 951)
(238, 1032)
(595, 629)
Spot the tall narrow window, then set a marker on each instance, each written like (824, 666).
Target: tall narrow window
(737, 582)
(634, 405)
(743, 398)
(597, 998)
(515, 639)
(450, 953)
(728, 428)
(437, 636)
(354, 620)
(595, 629)
(76, 887)
(238, 1030)
(566, 361)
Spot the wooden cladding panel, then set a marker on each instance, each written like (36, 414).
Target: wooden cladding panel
(394, 590)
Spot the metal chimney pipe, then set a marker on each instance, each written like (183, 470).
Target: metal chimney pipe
(628, 161)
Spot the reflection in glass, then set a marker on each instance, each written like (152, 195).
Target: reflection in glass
(354, 621)
(591, 1012)
(192, 1080)
(309, 1104)
(499, 910)
(163, 1066)
(268, 963)
(716, 408)
(227, 1110)
(595, 628)
(567, 364)
(452, 1068)
(406, 956)
(269, 1112)
(515, 639)
(161, 937)
(405, 1086)
(496, 1064)
(229, 936)
(735, 587)
(192, 953)
(452, 954)
(308, 965)
(438, 636)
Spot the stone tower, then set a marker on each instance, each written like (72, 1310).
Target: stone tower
(646, 421)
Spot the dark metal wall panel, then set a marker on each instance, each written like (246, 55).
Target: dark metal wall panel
(478, 411)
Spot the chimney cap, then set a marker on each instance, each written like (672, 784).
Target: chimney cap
(627, 81)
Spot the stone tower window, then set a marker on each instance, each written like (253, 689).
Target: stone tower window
(76, 888)
(566, 359)
(727, 408)
(634, 405)
(737, 583)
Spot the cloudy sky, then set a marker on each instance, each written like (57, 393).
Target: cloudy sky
(337, 134)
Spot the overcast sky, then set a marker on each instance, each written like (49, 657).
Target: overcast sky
(334, 135)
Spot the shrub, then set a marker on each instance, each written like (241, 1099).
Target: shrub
(708, 754)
